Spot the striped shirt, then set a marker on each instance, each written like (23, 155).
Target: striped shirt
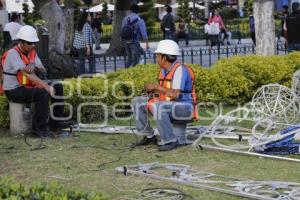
(83, 38)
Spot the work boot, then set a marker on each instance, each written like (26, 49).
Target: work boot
(147, 141)
(42, 133)
(53, 125)
(169, 146)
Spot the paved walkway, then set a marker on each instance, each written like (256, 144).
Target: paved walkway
(192, 43)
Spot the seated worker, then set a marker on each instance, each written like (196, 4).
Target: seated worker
(173, 98)
(22, 85)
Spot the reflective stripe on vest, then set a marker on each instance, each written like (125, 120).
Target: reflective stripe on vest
(166, 82)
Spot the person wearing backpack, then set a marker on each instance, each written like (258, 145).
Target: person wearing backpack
(168, 24)
(132, 30)
(172, 100)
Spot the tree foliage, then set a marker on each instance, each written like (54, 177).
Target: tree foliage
(183, 10)
(248, 7)
(30, 18)
(147, 13)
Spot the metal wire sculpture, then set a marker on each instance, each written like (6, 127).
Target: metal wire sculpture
(183, 174)
(277, 103)
(296, 83)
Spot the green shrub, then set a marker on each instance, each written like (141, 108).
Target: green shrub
(12, 190)
(230, 81)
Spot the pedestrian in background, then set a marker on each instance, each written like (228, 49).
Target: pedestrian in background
(132, 30)
(292, 28)
(252, 28)
(10, 31)
(182, 31)
(83, 43)
(97, 30)
(216, 20)
(168, 24)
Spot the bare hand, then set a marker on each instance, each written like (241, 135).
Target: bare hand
(151, 87)
(88, 51)
(29, 69)
(51, 90)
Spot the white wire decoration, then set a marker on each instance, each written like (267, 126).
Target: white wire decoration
(296, 83)
(277, 103)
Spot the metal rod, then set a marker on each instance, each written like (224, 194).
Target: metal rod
(250, 153)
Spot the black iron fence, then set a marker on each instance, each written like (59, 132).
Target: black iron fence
(204, 56)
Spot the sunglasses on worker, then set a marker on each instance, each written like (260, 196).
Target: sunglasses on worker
(29, 43)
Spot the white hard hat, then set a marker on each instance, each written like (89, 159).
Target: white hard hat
(168, 47)
(27, 33)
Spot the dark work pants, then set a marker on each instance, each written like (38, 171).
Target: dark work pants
(40, 99)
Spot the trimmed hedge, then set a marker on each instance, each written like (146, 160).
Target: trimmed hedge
(12, 191)
(230, 81)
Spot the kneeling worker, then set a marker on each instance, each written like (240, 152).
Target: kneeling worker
(173, 98)
(22, 85)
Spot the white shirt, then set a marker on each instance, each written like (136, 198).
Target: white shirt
(12, 28)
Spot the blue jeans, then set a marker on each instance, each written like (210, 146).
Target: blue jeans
(133, 53)
(169, 35)
(96, 38)
(293, 47)
(164, 113)
(91, 57)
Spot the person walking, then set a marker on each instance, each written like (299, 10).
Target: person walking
(83, 43)
(97, 30)
(292, 28)
(22, 85)
(217, 27)
(252, 29)
(132, 30)
(168, 24)
(172, 99)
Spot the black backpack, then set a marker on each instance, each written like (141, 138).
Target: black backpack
(129, 32)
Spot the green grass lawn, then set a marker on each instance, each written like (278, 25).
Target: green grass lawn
(84, 163)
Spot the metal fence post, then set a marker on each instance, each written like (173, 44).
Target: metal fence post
(192, 56)
(125, 57)
(182, 54)
(227, 52)
(115, 63)
(235, 49)
(209, 55)
(104, 60)
(201, 62)
(145, 58)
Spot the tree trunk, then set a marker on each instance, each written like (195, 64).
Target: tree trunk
(206, 10)
(121, 10)
(264, 27)
(60, 24)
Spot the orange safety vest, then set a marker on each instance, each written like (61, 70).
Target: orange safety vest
(21, 77)
(166, 82)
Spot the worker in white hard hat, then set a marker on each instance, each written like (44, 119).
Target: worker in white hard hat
(22, 85)
(172, 100)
